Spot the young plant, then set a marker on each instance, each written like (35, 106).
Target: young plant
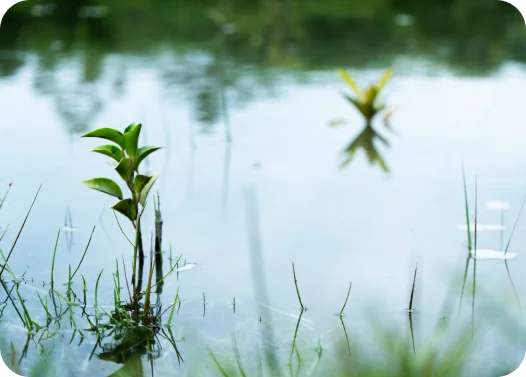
(128, 156)
(366, 100)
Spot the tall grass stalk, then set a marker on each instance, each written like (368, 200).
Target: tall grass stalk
(515, 224)
(84, 289)
(238, 357)
(53, 259)
(170, 318)
(20, 231)
(297, 289)
(5, 195)
(12, 301)
(84, 254)
(4, 232)
(466, 205)
(413, 290)
(217, 364)
(346, 299)
(96, 303)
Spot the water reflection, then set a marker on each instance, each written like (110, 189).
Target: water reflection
(78, 102)
(366, 141)
(216, 49)
(259, 280)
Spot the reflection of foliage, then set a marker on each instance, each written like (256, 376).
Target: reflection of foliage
(365, 101)
(78, 107)
(129, 343)
(365, 141)
(77, 103)
(307, 35)
(10, 66)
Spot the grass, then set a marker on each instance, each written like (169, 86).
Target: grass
(136, 330)
(410, 308)
(346, 299)
(303, 307)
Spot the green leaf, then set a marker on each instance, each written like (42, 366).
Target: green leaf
(360, 106)
(385, 78)
(127, 129)
(146, 189)
(127, 208)
(370, 95)
(125, 168)
(131, 138)
(142, 153)
(110, 151)
(350, 82)
(140, 182)
(104, 185)
(108, 134)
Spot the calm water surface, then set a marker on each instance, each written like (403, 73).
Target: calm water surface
(356, 224)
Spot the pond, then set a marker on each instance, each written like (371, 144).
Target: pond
(246, 101)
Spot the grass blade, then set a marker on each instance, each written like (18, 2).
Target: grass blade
(347, 298)
(515, 225)
(20, 232)
(413, 290)
(85, 251)
(468, 222)
(297, 289)
(53, 259)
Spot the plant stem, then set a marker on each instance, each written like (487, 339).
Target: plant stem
(347, 298)
(297, 289)
(135, 249)
(413, 290)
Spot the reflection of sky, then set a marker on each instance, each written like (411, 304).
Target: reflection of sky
(356, 224)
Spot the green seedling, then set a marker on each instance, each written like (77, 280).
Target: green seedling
(366, 101)
(128, 156)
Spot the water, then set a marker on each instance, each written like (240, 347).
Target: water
(271, 81)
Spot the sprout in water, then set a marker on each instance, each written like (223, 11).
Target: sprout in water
(128, 156)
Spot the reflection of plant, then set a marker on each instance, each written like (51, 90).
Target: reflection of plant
(365, 140)
(129, 157)
(366, 100)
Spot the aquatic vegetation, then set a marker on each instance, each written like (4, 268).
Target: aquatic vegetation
(129, 157)
(366, 100)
